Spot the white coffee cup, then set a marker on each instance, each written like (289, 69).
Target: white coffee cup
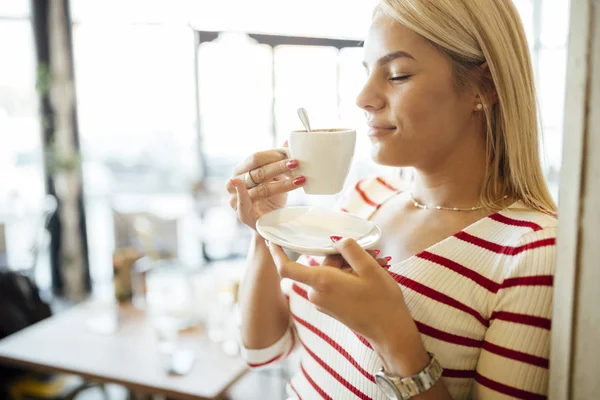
(324, 157)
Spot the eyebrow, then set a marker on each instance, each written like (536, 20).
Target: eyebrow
(389, 57)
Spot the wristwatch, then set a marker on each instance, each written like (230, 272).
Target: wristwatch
(397, 388)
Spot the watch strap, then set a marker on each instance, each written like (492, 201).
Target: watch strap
(414, 385)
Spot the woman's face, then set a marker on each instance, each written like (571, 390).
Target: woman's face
(416, 115)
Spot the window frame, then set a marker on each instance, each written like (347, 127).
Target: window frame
(273, 41)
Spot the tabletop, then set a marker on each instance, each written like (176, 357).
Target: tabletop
(129, 356)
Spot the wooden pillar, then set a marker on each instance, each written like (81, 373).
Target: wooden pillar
(69, 256)
(39, 21)
(575, 353)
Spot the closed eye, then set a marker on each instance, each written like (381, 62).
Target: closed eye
(400, 78)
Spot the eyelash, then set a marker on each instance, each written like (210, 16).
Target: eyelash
(400, 78)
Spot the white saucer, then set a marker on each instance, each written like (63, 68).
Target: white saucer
(307, 230)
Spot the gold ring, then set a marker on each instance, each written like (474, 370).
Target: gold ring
(249, 181)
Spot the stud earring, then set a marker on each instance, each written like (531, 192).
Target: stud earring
(479, 106)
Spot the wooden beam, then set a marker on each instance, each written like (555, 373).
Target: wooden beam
(586, 334)
(58, 114)
(575, 321)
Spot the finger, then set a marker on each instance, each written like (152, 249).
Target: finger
(320, 300)
(292, 270)
(267, 172)
(233, 202)
(341, 264)
(383, 261)
(267, 190)
(229, 187)
(373, 253)
(259, 159)
(244, 203)
(348, 269)
(357, 257)
(335, 261)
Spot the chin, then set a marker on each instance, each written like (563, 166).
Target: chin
(383, 155)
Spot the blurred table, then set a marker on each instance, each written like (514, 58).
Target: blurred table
(129, 356)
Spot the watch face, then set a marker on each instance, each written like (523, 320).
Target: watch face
(387, 387)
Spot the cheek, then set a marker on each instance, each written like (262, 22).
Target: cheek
(428, 120)
(430, 117)
(426, 110)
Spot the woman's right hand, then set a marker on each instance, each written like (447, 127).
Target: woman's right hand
(267, 169)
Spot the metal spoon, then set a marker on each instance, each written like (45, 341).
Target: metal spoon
(304, 118)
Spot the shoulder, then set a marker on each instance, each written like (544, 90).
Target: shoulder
(367, 194)
(533, 251)
(537, 220)
(516, 226)
(516, 241)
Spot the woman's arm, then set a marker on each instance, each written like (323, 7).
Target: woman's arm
(265, 331)
(368, 301)
(264, 309)
(404, 355)
(514, 359)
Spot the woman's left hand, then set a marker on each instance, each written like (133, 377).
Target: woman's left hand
(367, 300)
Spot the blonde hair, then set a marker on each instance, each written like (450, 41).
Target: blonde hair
(472, 32)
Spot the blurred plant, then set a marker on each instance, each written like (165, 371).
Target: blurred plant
(44, 79)
(59, 161)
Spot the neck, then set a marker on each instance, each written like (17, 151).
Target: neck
(456, 180)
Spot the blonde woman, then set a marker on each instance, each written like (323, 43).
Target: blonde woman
(462, 309)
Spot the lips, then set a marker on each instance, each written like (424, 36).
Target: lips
(378, 129)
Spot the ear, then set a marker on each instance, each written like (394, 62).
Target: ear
(487, 87)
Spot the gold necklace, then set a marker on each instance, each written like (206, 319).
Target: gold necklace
(426, 207)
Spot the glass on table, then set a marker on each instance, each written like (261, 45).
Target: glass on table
(169, 302)
(222, 324)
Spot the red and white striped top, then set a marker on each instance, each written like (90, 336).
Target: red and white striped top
(482, 300)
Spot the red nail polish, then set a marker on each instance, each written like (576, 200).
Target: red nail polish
(377, 252)
(292, 164)
(299, 181)
(388, 258)
(335, 239)
(387, 266)
(285, 144)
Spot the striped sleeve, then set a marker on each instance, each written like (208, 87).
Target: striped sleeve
(278, 351)
(514, 358)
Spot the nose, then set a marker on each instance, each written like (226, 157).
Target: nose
(370, 97)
